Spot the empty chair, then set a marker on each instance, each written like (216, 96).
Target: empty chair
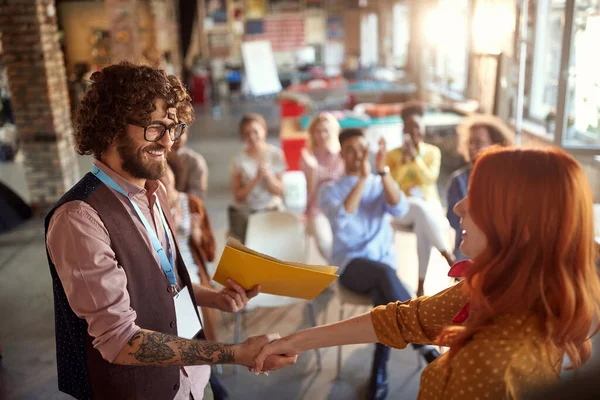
(281, 235)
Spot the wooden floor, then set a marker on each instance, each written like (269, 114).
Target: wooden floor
(26, 310)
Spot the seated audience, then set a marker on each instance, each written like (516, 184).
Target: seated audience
(415, 167)
(321, 163)
(189, 167)
(530, 295)
(256, 176)
(197, 247)
(475, 134)
(357, 206)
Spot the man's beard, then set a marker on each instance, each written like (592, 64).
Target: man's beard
(133, 160)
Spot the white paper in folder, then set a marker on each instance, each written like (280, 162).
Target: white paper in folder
(260, 68)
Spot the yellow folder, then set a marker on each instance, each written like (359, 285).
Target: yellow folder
(249, 268)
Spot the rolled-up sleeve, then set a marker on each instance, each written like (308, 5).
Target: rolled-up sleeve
(417, 321)
(399, 209)
(94, 282)
(333, 207)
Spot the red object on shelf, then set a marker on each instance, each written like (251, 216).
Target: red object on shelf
(290, 108)
(199, 84)
(292, 149)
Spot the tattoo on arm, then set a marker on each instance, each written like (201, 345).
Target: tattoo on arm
(155, 348)
(191, 352)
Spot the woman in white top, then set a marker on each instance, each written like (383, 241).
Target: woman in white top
(321, 163)
(256, 176)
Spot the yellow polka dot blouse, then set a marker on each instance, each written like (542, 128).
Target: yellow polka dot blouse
(505, 360)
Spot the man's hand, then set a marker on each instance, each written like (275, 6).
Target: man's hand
(278, 348)
(233, 298)
(380, 157)
(365, 170)
(247, 352)
(309, 159)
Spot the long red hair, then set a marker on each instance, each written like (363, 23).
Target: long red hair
(535, 209)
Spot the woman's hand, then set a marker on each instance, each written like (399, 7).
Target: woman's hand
(409, 151)
(282, 347)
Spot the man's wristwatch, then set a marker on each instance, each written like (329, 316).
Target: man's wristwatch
(385, 171)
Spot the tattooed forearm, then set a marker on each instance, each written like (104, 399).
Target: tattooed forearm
(191, 352)
(155, 348)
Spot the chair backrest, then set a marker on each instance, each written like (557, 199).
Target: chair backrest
(278, 234)
(294, 190)
(281, 235)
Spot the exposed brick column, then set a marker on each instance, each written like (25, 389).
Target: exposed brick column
(166, 30)
(38, 83)
(123, 25)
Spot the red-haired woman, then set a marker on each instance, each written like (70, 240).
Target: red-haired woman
(530, 295)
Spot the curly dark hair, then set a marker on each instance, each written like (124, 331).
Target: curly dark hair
(500, 133)
(124, 92)
(412, 107)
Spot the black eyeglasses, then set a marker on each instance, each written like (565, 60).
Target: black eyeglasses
(156, 130)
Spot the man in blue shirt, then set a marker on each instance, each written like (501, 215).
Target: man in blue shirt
(357, 206)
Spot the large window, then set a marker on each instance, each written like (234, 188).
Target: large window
(549, 27)
(401, 34)
(447, 30)
(368, 40)
(583, 96)
(565, 75)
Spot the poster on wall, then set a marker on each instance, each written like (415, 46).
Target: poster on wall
(218, 44)
(255, 9)
(216, 10)
(261, 71)
(335, 28)
(255, 27)
(276, 6)
(314, 3)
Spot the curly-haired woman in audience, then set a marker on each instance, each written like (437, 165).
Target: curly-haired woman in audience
(531, 293)
(256, 176)
(475, 134)
(321, 163)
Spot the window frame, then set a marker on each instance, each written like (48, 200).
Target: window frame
(563, 87)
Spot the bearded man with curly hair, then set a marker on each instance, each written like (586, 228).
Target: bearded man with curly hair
(126, 317)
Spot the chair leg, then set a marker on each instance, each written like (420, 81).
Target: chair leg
(237, 334)
(339, 356)
(313, 320)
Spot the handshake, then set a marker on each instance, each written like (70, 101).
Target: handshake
(261, 354)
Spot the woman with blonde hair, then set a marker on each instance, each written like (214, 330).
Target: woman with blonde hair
(321, 163)
(530, 295)
(475, 134)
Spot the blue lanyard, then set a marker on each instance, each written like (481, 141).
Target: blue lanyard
(167, 264)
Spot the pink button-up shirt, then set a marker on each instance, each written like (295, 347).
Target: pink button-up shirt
(331, 168)
(80, 248)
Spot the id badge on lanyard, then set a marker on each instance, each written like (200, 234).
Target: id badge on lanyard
(166, 263)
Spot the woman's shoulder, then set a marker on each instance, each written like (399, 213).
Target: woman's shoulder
(461, 173)
(274, 150)
(431, 148)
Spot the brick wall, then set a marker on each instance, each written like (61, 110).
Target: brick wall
(37, 80)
